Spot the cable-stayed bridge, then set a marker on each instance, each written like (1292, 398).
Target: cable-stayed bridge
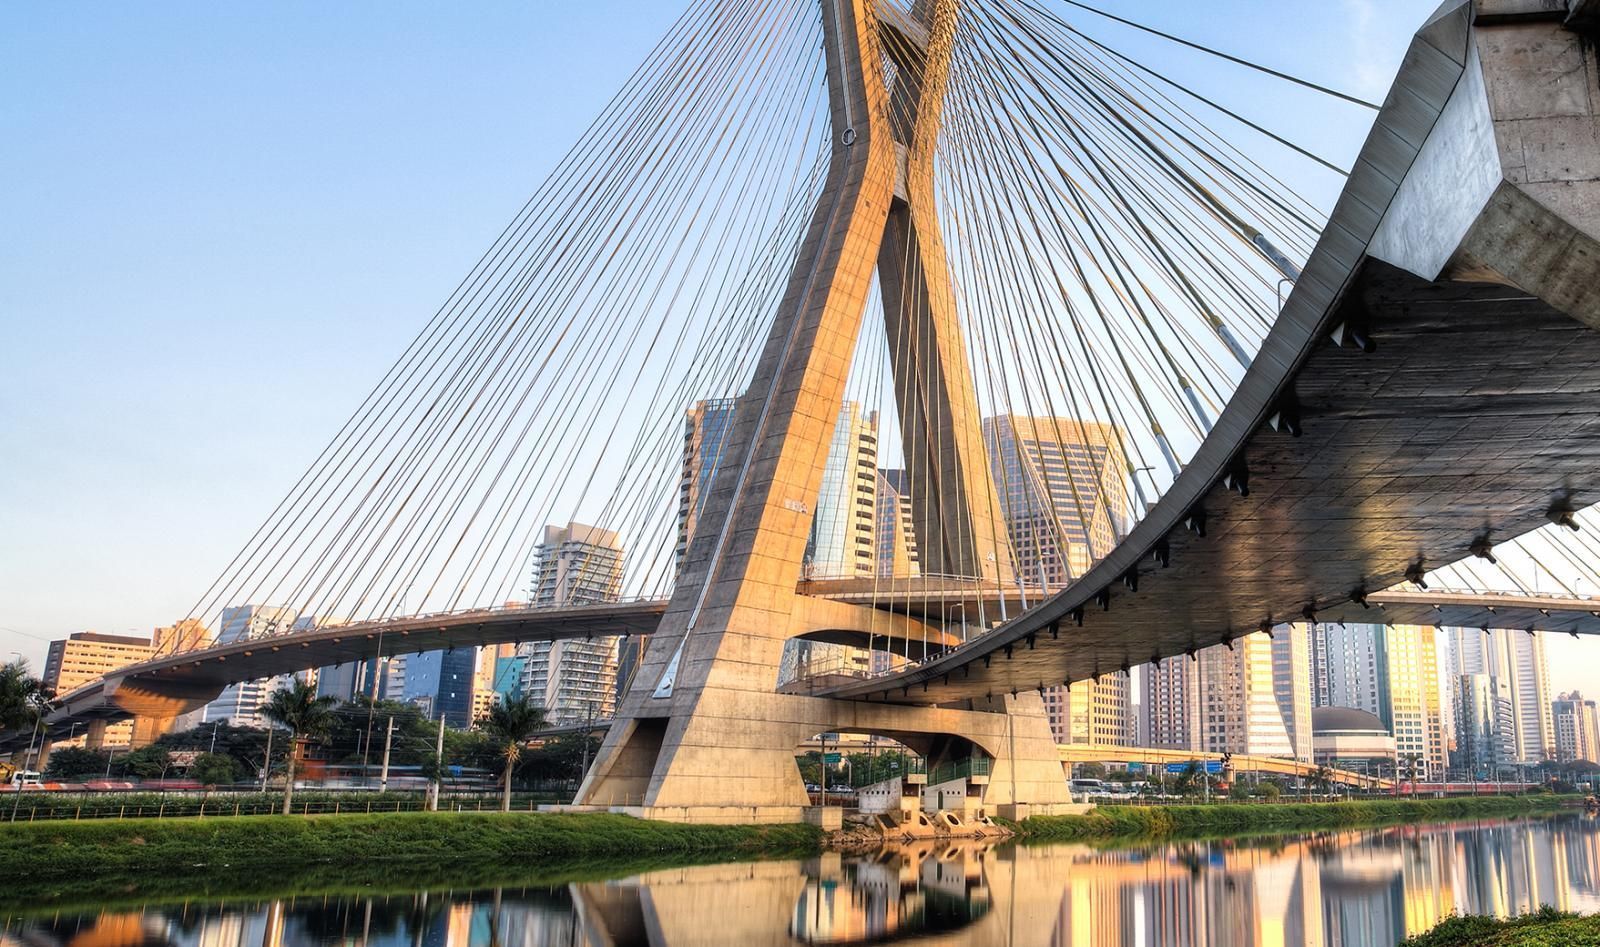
(1117, 410)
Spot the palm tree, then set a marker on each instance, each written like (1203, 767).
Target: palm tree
(298, 708)
(23, 697)
(510, 724)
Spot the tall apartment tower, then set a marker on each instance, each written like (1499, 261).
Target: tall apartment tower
(1484, 724)
(1063, 492)
(1518, 660)
(1171, 706)
(897, 538)
(240, 704)
(843, 531)
(575, 681)
(87, 656)
(1577, 728)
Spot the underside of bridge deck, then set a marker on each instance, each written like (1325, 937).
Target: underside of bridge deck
(1474, 415)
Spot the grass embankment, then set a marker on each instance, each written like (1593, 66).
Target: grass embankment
(140, 858)
(1108, 822)
(1545, 928)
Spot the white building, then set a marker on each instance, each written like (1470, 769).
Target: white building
(240, 704)
(575, 680)
(1518, 660)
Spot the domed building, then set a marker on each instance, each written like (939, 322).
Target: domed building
(1347, 738)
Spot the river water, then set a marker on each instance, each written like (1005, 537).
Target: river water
(1349, 888)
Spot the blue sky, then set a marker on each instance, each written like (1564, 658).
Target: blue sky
(223, 221)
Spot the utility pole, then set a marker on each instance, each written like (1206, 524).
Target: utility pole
(266, 764)
(438, 773)
(388, 741)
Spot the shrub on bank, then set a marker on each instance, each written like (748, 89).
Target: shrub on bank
(1547, 927)
(1158, 821)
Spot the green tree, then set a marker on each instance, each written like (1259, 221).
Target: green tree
(247, 745)
(72, 764)
(1091, 771)
(509, 724)
(213, 769)
(23, 698)
(149, 762)
(1238, 791)
(1270, 792)
(298, 709)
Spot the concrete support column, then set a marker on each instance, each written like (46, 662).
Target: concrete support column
(146, 730)
(94, 738)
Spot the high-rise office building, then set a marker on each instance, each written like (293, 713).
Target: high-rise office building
(1345, 666)
(1391, 672)
(897, 537)
(1092, 712)
(87, 656)
(1254, 698)
(1577, 730)
(1518, 660)
(705, 438)
(240, 704)
(843, 530)
(1063, 493)
(1409, 675)
(440, 684)
(575, 681)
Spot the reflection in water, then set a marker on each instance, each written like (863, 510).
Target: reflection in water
(1342, 889)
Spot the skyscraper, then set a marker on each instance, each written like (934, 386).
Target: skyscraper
(1171, 706)
(1577, 731)
(843, 528)
(705, 437)
(185, 635)
(575, 681)
(1063, 493)
(897, 537)
(1092, 712)
(1484, 727)
(1391, 672)
(240, 704)
(1255, 698)
(1409, 676)
(1518, 660)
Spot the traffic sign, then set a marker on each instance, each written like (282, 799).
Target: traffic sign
(830, 758)
(1214, 767)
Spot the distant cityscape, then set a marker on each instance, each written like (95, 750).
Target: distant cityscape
(1404, 700)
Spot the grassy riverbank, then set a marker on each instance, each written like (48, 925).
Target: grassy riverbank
(1546, 928)
(54, 859)
(1111, 822)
